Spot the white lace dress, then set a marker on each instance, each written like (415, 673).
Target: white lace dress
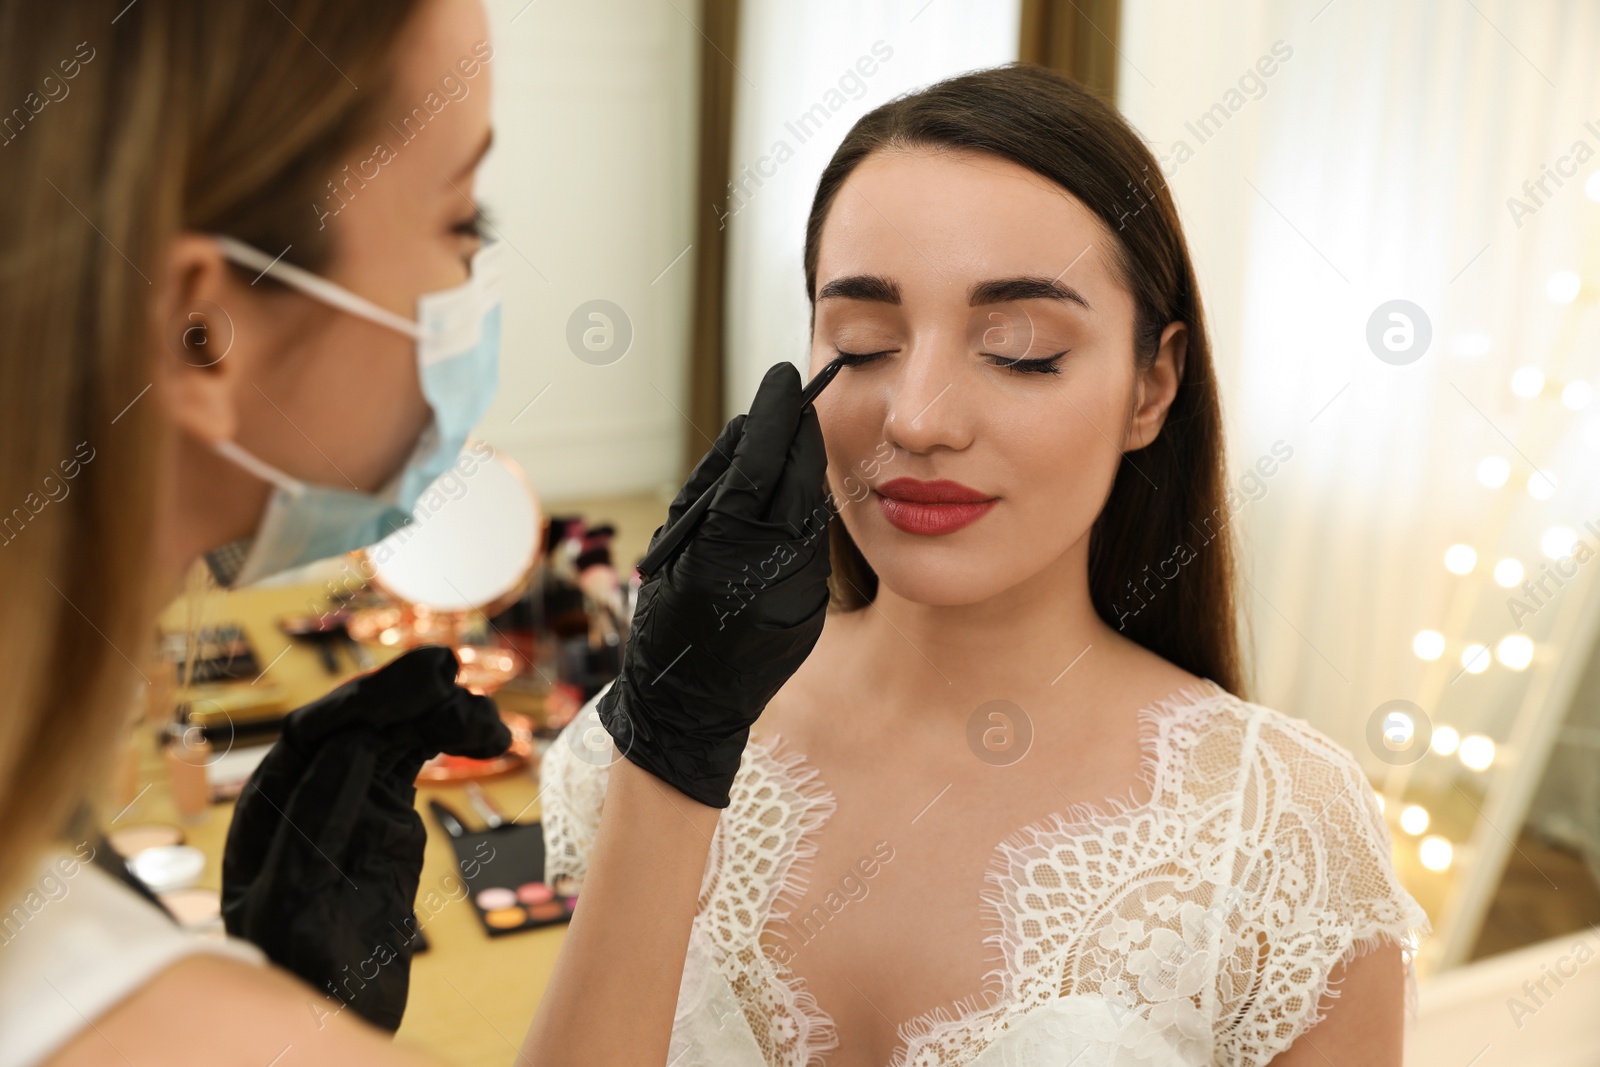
(1198, 927)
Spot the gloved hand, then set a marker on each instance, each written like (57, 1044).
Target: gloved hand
(723, 625)
(325, 851)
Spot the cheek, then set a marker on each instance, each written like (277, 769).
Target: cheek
(1059, 460)
(365, 400)
(852, 425)
(393, 374)
(1087, 411)
(358, 364)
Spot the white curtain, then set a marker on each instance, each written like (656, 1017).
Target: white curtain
(1386, 159)
(806, 73)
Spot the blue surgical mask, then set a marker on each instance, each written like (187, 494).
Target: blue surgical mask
(457, 335)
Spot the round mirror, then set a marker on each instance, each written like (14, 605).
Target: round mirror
(473, 543)
(469, 552)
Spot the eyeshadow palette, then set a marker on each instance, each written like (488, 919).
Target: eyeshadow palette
(222, 653)
(503, 870)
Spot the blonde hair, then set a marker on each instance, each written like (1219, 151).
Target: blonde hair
(122, 125)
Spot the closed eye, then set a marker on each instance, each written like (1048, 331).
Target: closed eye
(1043, 365)
(856, 359)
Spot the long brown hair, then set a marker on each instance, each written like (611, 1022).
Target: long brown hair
(128, 123)
(1167, 509)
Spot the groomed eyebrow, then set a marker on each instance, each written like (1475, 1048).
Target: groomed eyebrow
(1025, 288)
(883, 291)
(862, 287)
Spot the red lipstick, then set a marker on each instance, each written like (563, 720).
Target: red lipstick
(931, 508)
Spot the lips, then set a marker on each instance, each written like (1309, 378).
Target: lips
(930, 509)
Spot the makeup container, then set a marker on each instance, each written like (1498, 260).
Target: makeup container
(167, 868)
(186, 769)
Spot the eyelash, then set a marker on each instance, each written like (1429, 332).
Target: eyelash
(1043, 365)
(855, 359)
(474, 226)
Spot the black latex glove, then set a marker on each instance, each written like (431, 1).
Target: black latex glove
(723, 625)
(325, 851)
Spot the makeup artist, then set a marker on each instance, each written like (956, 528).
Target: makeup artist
(201, 359)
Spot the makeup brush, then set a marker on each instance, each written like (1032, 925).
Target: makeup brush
(675, 537)
(448, 819)
(482, 803)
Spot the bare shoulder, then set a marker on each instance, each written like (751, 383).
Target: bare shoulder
(251, 1015)
(1143, 677)
(1365, 1022)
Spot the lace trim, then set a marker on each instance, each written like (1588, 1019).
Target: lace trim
(1406, 925)
(1088, 898)
(574, 772)
(1408, 938)
(998, 998)
(796, 1029)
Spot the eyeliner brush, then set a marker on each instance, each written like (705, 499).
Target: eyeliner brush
(676, 536)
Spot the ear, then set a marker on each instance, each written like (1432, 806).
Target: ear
(196, 368)
(1156, 387)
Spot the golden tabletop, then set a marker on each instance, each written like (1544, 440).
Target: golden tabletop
(472, 997)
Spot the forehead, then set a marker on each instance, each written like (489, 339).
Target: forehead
(440, 33)
(937, 219)
(445, 39)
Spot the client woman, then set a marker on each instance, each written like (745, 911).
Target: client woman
(1014, 808)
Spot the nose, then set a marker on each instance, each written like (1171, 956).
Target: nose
(928, 407)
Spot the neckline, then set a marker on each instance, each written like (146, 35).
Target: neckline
(996, 995)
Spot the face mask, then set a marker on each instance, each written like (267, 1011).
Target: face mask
(457, 334)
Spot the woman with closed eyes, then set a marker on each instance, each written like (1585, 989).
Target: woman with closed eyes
(1016, 807)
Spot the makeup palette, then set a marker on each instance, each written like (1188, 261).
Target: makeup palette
(503, 869)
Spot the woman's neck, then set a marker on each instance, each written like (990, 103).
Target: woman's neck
(1040, 636)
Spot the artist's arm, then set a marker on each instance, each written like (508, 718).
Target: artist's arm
(615, 984)
(699, 667)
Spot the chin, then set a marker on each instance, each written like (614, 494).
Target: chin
(933, 592)
(941, 575)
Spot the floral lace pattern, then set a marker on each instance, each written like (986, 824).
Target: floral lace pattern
(1200, 926)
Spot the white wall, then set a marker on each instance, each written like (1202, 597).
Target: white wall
(591, 182)
(793, 58)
